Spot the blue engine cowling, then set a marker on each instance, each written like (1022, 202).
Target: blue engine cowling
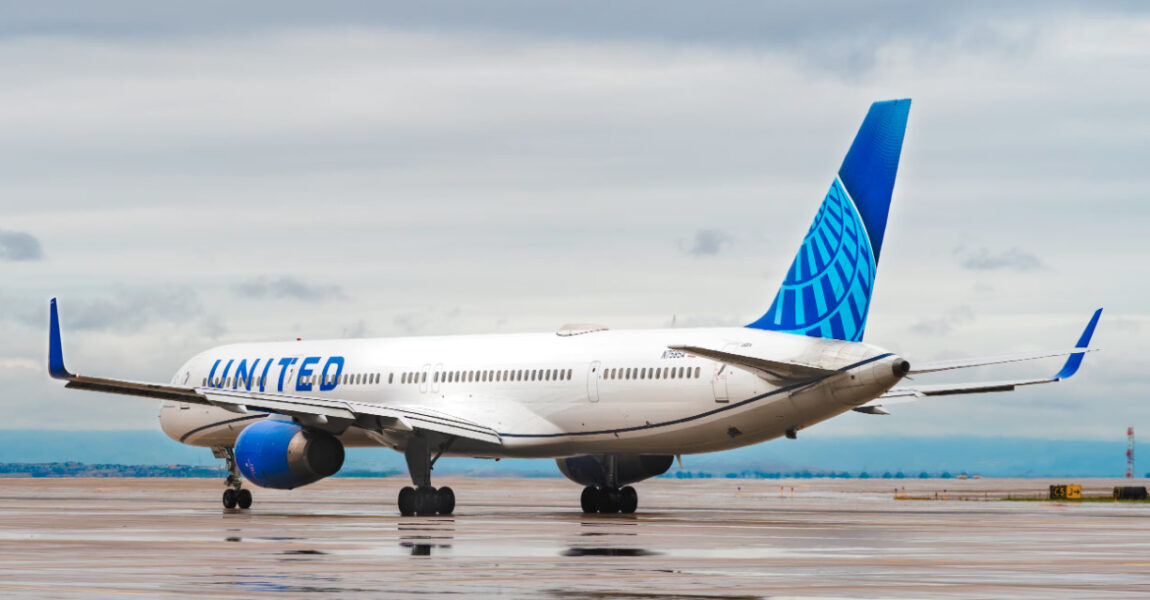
(283, 455)
(629, 468)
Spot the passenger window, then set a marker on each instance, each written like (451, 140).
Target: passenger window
(696, 372)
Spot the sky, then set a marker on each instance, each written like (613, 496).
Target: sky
(182, 177)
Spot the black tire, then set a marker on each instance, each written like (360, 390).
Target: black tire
(608, 501)
(229, 498)
(589, 500)
(445, 501)
(628, 500)
(425, 501)
(244, 498)
(407, 501)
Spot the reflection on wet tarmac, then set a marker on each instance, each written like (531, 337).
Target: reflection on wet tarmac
(65, 539)
(608, 551)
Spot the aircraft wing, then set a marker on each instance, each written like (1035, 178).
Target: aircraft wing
(308, 410)
(901, 394)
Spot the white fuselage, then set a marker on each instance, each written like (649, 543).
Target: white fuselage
(550, 395)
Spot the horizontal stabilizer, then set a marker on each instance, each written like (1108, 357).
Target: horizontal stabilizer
(903, 394)
(966, 363)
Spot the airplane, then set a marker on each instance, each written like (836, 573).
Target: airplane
(611, 407)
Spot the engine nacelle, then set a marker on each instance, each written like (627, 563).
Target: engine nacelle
(629, 468)
(283, 455)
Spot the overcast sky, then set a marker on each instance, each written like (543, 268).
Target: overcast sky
(182, 178)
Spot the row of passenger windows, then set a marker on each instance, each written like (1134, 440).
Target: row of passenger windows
(653, 373)
(488, 376)
(416, 377)
(345, 379)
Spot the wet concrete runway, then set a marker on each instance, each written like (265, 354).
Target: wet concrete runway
(72, 538)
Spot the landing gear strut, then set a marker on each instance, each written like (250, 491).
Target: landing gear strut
(235, 495)
(423, 499)
(609, 498)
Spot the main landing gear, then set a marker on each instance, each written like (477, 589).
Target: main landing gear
(235, 495)
(423, 499)
(596, 499)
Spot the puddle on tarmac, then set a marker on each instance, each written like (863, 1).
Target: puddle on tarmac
(608, 551)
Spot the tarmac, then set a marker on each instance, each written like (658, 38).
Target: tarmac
(526, 538)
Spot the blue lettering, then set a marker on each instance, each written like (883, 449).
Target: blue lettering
(227, 367)
(305, 371)
(243, 375)
(328, 383)
(264, 377)
(284, 363)
(212, 373)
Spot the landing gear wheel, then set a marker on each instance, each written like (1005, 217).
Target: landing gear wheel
(628, 500)
(230, 499)
(244, 498)
(407, 501)
(608, 501)
(445, 501)
(426, 501)
(589, 500)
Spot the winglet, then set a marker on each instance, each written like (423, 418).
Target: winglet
(55, 349)
(1075, 360)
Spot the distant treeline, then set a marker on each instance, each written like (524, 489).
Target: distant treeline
(75, 469)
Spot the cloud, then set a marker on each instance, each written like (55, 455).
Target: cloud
(945, 324)
(130, 310)
(286, 287)
(708, 242)
(358, 329)
(690, 321)
(19, 246)
(430, 320)
(1013, 259)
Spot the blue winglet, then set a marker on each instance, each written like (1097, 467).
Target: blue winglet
(55, 349)
(1075, 360)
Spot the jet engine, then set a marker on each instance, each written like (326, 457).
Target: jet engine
(629, 468)
(284, 455)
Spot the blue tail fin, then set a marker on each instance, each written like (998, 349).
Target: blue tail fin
(827, 290)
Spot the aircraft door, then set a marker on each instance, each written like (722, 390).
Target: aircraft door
(593, 381)
(423, 375)
(719, 380)
(436, 376)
